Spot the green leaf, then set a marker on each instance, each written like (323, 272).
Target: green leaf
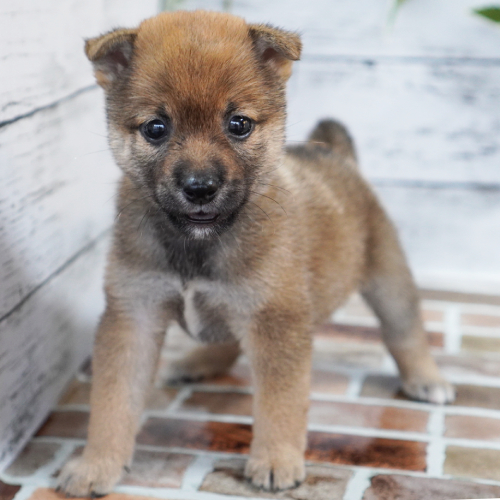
(491, 13)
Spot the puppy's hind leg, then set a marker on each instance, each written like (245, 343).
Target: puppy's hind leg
(390, 291)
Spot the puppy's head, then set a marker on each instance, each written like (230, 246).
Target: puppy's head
(196, 110)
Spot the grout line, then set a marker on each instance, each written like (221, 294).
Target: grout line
(354, 388)
(466, 307)
(481, 331)
(174, 494)
(359, 481)
(452, 330)
(369, 432)
(436, 450)
(27, 491)
(220, 388)
(196, 472)
(181, 396)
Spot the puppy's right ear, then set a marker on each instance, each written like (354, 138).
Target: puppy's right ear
(111, 54)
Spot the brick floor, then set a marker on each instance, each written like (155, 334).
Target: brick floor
(366, 440)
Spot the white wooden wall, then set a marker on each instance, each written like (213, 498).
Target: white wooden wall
(422, 100)
(56, 200)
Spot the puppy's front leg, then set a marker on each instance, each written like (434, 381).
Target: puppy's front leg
(279, 348)
(126, 351)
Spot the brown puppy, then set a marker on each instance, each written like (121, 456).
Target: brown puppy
(225, 233)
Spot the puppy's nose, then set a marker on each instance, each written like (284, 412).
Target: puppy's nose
(200, 190)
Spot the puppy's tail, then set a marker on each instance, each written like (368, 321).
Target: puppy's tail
(335, 136)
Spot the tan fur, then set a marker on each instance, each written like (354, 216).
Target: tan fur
(297, 232)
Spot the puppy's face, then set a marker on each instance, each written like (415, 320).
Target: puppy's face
(196, 111)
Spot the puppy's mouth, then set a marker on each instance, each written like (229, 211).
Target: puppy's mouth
(202, 218)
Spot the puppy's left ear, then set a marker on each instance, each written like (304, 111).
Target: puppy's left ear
(277, 48)
(111, 55)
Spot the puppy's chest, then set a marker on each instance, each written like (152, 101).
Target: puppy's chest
(206, 311)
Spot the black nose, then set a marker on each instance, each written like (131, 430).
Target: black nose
(200, 190)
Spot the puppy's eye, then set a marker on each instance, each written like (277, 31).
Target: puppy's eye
(239, 126)
(154, 131)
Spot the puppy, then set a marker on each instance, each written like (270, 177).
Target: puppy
(239, 241)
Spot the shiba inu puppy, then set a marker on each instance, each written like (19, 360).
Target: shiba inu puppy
(245, 244)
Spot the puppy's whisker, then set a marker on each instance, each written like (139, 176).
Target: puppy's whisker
(260, 208)
(274, 186)
(272, 199)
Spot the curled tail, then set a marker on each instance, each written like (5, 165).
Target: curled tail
(335, 136)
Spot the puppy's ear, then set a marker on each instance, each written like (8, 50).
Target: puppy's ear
(276, 47)
(111, 54)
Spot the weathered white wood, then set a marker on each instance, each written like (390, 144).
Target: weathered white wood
(409, 120)
(41, 47)
(423, 28)
(451, 236)
(42, 344)
(57, 181)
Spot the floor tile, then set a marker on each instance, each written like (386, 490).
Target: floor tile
(382, 386)
(327, 382)
(388, 387)
(231, 403)
(488, 320)
(66, 424)
(191, 434)
(365, 334)
(399, 487)
(322, 483)
(323, 447)
(8, 491)
(468, 427)
(469, 364)
(79, 393)
(472, 462)
(348, 354)
(377, 417)
(485, 344)
(157, 469)
(472, 298)
(432, 315)
(478, 396)
(34, 456)
(50, 494)
(365, 451)
(239, 376)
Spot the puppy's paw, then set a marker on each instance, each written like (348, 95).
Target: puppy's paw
(280, 472)
(433, 391)
(81, 477)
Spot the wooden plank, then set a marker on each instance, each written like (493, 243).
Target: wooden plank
(41, 47)
(451, 236)
(57, 180)
(423, 28)
(423, 121)
(43, 344)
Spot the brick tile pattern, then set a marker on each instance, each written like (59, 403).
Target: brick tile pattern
(399, 487)
(365, 436)
(322, 483)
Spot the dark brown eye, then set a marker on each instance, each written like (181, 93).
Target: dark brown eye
(240, 126)
(154, 131)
